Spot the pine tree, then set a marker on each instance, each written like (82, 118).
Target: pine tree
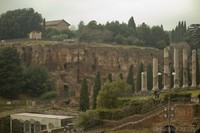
(44, 28)
(110, 77)
(149, 77)
(140, 70)
(96, 89)
(121, 76)
(84, 96)
(131, 25)
(130, 80)
(11, 73)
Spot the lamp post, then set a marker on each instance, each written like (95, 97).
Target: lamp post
(169, 111)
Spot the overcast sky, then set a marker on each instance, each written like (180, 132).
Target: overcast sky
(152, 12)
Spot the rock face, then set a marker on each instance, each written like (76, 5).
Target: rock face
(69, 63)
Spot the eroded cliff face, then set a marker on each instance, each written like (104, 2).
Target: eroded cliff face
(69, 63)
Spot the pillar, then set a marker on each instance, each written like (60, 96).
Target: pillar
(185, 69)
(166, 69)
(155, 74)
(144, 81)
(176, 70)
(194, 83)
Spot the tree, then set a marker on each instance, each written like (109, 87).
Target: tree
(96, 89)
(84, 96)
(149, 77)
(19, 23)
(121, 76)
(131, 25)
(44, 28)
(140, 70)
(130, 80)
(197, 68)
(110, 77)
(37, 81)
(195, 35)
(11, 73)
(111, 91)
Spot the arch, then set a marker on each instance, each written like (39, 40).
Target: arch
(37, 126)
(166, 128)
(197, 131)
(16, 126)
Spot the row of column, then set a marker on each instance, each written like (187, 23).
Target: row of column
(166, 76)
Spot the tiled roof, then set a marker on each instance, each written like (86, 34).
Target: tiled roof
(55, 22)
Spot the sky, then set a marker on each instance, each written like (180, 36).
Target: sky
(152, 12)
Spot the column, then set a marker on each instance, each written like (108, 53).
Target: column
(194, 83)
(166, 69)
(185, 69)
(144, 81)
(155, 74)
(176, 69)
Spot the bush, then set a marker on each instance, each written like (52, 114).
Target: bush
(87, 120)
(49, 95)
(178, 97)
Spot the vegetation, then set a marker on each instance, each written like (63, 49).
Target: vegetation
(149, 77)
(96, 89)
(110, 92)
(49, 95)
(84, 97)
(110, 77)
(11, 73)
(122, 33)
(121, 76)
(87, 120)
(141, 69)
(36, 81)
(130, 80)
(19, 23)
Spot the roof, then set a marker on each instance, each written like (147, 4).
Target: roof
(42, 116)
(55, 22)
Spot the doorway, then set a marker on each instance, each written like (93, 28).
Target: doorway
(166, 128)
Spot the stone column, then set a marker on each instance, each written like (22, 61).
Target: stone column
(144, 81)
(176, 70)
(194, 83)
(155, 74)
(185, 69)
(166, 69)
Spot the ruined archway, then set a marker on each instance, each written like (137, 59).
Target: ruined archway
(166, 129)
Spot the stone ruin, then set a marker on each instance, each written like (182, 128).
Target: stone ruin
(176, 73)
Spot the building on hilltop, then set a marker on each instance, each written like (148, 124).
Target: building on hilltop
(58, 24)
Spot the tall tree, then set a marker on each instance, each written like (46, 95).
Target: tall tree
(19, 23)
(110, 77)
(197, 68)
(130, 79)
(84, 96)
(44, 28)
(96, 89)
(149, 77)
(140, 70)
(131, 25)
(11, 73)
(195, 35)
(121, 76)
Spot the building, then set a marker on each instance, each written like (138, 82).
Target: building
(57, 24)
(35, 35)
(38, 123)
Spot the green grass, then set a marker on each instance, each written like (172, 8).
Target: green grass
(193, 92)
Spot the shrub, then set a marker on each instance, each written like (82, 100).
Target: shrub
(178, 97)
(49, 95)
(87, 120)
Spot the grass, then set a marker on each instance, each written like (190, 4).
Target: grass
(131, 131)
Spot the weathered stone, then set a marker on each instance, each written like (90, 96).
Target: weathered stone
(144, 82)
(194, 83)
(185, 69)
(176, 69)
(155, 74)
(166, 69)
